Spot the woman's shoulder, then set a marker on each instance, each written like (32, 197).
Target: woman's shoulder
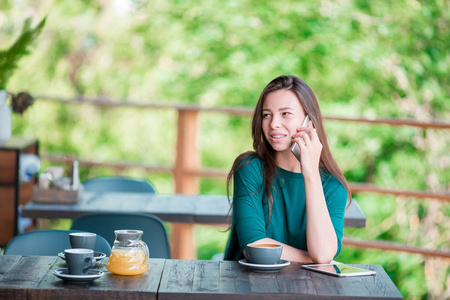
(248, 172)
(247, 164)
(248, 159)
(329, 180)
(332, 185)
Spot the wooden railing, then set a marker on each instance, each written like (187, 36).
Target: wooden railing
(186, 171)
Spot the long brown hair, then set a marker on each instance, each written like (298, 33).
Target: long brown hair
(264, 151)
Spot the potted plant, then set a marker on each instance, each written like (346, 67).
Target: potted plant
(9, 59)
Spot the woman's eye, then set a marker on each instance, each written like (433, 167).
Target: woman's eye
(286, 113)
(266, 116)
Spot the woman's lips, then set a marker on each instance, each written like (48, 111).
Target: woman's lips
(277, 137)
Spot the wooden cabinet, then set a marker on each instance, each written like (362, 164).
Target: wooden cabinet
(12, 192)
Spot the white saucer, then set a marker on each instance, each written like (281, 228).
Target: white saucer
(91, 275)
(97, 255)
(265, 268)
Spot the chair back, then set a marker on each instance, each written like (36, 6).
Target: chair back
(118, 184)
(104, 224)
(48, 243)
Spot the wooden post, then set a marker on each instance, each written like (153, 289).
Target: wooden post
(186, 182)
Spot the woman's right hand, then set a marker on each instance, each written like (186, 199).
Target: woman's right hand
(310, 148)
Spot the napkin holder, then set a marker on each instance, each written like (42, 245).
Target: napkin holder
(56, 195)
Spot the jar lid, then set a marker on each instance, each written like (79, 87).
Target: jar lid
(128, 234)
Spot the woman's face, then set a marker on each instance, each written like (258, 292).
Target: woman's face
(281, 115)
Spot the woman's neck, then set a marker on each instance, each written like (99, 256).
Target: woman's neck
(286, 160)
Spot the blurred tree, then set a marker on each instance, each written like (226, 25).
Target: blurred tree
(376, 59)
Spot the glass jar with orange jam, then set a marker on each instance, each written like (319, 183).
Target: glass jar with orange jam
(129, 254)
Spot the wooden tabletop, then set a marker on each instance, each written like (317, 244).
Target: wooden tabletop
(189, 279)
(206, 209)
(31, 277)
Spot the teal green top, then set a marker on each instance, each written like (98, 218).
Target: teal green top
(288, 222)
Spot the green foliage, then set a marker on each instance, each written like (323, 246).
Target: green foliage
(210, 240)
(9, 58)
(373, 59)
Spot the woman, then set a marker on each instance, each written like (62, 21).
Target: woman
(276, 199)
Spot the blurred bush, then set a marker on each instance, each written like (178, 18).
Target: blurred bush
(378, 59)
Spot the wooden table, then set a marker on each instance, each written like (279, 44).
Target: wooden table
(177, 208)
(31, 278)
(194, 279)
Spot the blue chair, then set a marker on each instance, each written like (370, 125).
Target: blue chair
(104, 224)
(118, 184)
(48, 243)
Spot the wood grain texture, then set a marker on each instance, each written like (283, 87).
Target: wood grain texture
(30, 277)
(229, 280)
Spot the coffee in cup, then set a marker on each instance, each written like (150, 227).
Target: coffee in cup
(85, 240)
(263, 254)
(79, 261)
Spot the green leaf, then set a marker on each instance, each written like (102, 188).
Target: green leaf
(9, 58)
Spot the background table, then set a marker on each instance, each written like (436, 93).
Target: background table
(187, 209)
(203, 209)
(31, 277)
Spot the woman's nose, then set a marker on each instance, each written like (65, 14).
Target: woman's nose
(275, 122)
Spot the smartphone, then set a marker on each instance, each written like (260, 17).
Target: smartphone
(295, 149)
(340, 270)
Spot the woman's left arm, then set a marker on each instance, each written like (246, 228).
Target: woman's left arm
(320, 233)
